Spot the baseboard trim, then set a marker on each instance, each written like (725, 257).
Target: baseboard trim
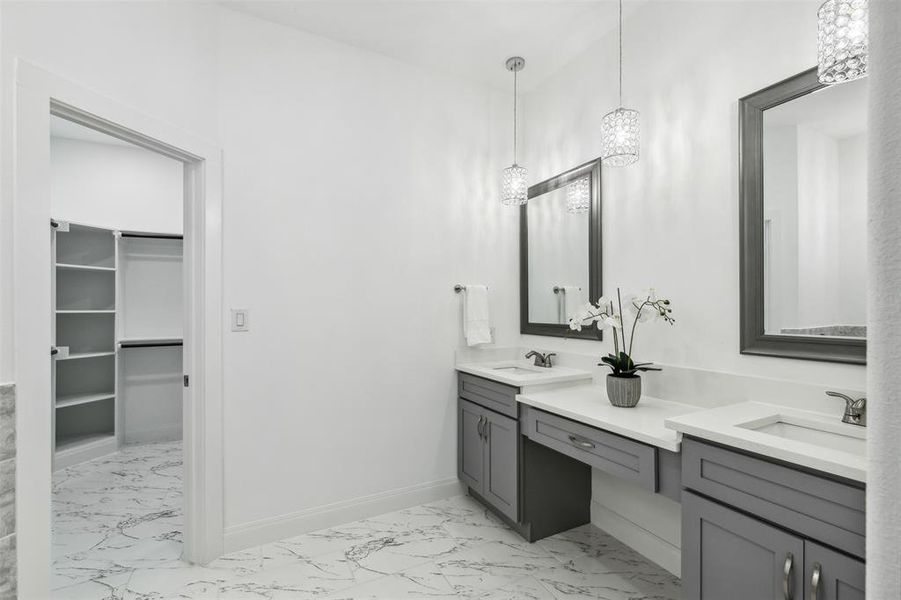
(262, 531)
(638, 538)
(166, 433)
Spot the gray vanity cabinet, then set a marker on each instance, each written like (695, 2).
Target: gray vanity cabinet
(756, 529)
(735, 556)
(829, 575)
(488, 454)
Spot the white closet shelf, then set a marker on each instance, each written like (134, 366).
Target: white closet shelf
(79, 355)
(75, 442)
(86, 312)
(76, 399)
(74, 267)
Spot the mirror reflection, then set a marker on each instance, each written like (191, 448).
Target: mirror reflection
(815, 192)
(558, 253)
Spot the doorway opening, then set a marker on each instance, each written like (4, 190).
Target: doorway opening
(117, 292)
(41, 96)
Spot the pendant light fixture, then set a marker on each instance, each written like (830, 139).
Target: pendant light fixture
(514, 190)
(843, 35)
(620, 128)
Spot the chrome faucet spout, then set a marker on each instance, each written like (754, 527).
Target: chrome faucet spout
(855, 409)
(541, 360)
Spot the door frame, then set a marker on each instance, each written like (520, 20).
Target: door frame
(38, 94)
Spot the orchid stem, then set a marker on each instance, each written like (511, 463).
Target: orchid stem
(635, 324)
(622, 322)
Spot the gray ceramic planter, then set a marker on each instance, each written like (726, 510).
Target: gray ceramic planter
(624, 392)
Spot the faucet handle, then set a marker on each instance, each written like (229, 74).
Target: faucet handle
(849, 401)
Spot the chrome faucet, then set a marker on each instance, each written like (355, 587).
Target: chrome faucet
(855, 410)
(541, 360)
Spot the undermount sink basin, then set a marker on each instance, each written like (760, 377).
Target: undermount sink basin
(516, 370)
(834, 436)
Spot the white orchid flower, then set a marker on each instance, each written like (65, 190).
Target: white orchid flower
(613, 321)
(632, 302)
(575, 325)
(647, 313)
(651, 294)
(603, 302)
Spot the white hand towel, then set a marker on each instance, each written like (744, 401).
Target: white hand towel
(572, 301)
(476, 316)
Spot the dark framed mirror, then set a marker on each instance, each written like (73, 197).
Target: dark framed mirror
(560, 251)
(802, 152)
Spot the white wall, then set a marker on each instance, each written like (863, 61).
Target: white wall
(780, 183)
(671, 220)
(852, 156)
(815, 206)
(359, 190)
(818, 228)
(115, 186)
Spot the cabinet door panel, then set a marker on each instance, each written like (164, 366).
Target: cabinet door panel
(501, 472)
(470, 449)
(726, 554)
(838, 577)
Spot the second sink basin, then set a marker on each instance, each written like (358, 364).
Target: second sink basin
(833, 436)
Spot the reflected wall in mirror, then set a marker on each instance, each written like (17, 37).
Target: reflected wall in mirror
(804, 195)
(558, 257)
(560, 251)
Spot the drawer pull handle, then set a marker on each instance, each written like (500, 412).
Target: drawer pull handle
(787, 576)
(815, 581)
(479, 427)
(580, 443)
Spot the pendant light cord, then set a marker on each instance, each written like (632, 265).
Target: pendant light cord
(514, 117)
(620, 53)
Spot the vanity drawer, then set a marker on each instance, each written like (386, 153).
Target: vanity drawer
(490, 394)
(815, 506)
(608, 452)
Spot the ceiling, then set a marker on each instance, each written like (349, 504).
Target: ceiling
(469, 39)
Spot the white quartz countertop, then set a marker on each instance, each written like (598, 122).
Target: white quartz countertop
(588, 404)
(815, 440)
(522, 373)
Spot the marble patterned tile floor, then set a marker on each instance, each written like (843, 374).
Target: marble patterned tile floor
(117, 535)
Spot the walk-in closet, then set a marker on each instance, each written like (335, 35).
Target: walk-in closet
(116, 238)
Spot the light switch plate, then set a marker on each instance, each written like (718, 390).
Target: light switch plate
(240, 319)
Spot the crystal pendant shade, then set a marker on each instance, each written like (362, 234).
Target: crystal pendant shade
(577, 196)
(621, 137)
(842, 40)
(514, 190)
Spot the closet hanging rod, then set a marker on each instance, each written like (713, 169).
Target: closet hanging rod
(124, 345)
(156, 236)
